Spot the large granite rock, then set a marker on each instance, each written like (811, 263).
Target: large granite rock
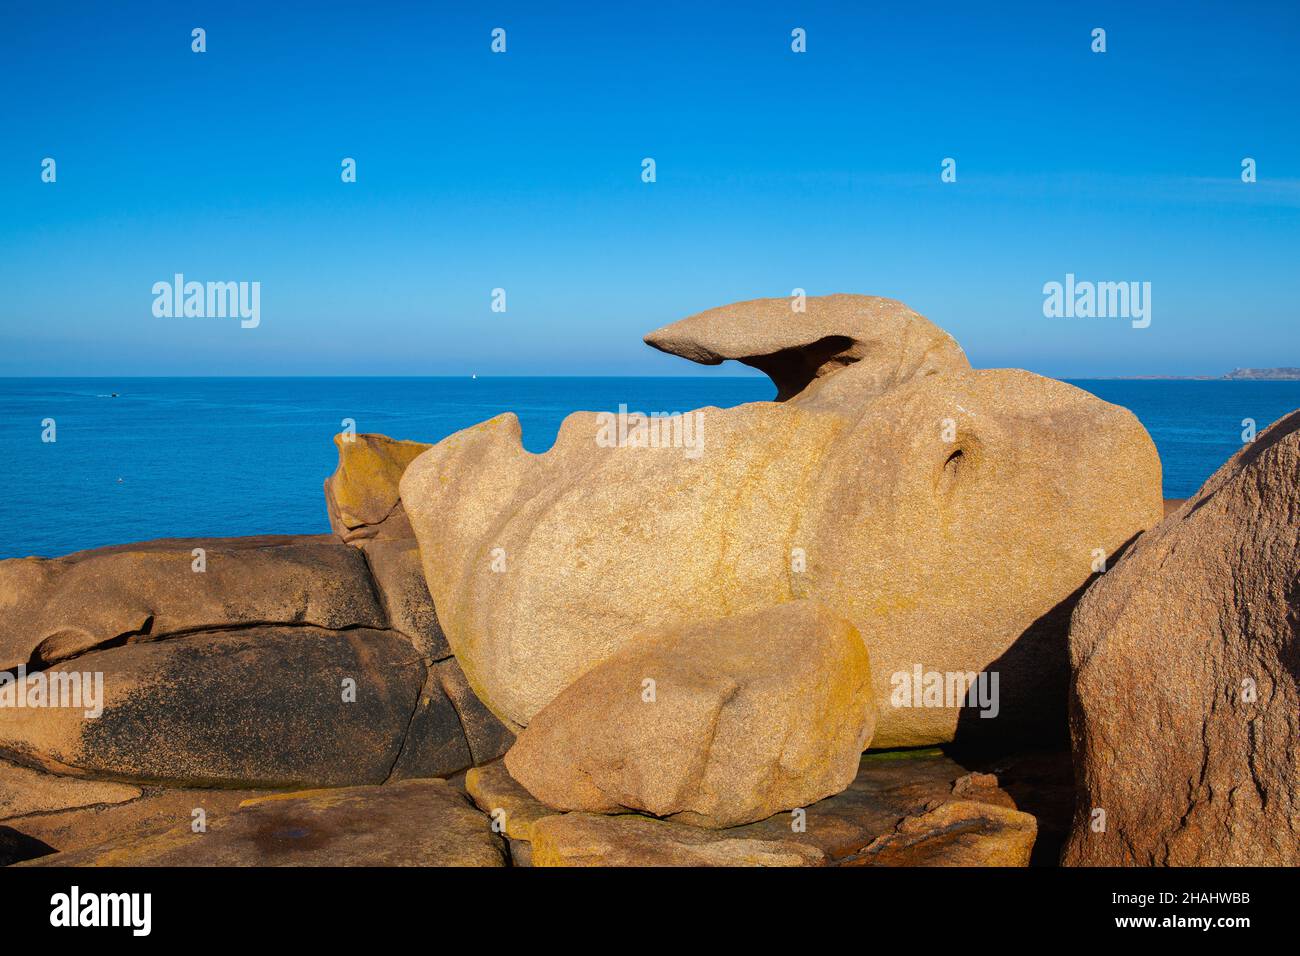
(255, 707)
(54, 609)
(1185, 714)
(361, 496)
(715, 724)
(952, 556)
(414, 823)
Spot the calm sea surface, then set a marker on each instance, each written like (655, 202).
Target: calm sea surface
(237, 456)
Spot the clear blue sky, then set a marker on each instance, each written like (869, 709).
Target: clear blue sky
(775, 170)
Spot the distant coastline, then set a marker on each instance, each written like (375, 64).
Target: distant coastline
(1284, 374)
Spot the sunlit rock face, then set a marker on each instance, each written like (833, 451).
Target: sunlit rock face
(951, 515)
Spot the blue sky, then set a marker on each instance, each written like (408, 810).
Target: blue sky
(775, 170)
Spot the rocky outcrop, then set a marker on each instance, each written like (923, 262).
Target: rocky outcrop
(54, 609)
(361, 496)
(957, 833)
(1185, 714)
(904, 808)
(271, 661)
(154, 812)
(415, 823)
(951, 515)
(716, 724)
(512, 808)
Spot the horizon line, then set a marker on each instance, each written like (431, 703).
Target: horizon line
(755, 375)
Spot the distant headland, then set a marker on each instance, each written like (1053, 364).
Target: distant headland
(1285, 374)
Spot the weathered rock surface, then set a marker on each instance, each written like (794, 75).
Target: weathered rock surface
(505, 800)
(435, 742)
(715, 724)
(586, 839)
(255, 707)
(488, 738)
(23, 791)
(361, 496)
(872, 823)
(413, 823)
(53, 609)
(959, 555)
(395, 564)
(156, 811)
(957, 833)
(254, 628)
(1185, 714)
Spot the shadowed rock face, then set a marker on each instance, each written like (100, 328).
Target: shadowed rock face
(1185, 713)
(954, 555)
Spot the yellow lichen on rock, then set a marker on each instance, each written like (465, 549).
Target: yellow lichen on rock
(362, 492)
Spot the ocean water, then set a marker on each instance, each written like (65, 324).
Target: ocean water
(237, 456)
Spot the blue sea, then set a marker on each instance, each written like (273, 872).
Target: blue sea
(236, 456)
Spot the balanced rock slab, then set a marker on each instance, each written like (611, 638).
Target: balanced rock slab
(952, 515)
(53, 609)
(413, 823)
(1185, 713)
(840, 348)
(257, 707)
(715, 724)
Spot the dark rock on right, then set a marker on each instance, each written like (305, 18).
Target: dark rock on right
(1184, 710)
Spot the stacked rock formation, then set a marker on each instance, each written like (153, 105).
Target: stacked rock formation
(946, 516)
